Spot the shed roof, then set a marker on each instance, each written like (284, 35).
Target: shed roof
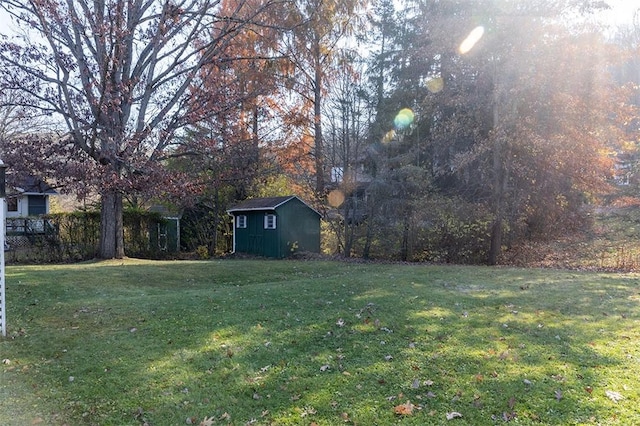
(266, 203)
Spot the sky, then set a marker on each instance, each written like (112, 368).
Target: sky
(621, 13)
(622, 10)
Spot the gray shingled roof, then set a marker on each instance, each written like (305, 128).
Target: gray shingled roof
(32, 185)
(267, 203)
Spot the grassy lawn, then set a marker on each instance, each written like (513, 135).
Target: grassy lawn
(318, 343)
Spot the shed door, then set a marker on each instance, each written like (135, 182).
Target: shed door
(256, 234)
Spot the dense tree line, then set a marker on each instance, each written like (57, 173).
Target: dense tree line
(422, 130)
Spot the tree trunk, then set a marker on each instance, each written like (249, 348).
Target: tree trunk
(111, 226)
(404, 246)
(317, 122)
(496, 241)
(213, 244)
(498, 199)
(349, 223)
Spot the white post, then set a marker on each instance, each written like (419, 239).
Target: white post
(3, 304)
(3, 227)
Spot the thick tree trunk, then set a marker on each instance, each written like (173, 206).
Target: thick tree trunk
(405, 246)
(496, 241)
(500, 172)
(498, 194)
(111, 226)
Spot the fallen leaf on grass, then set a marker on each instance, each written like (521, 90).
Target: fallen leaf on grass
(614, 396)
(307, 411)
(507, 417)
(453, 415)
(405, 409)
(207, 421)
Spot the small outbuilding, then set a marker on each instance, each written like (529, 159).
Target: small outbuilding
(28, 197)
(275, 227)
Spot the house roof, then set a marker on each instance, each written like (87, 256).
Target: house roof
(267, 203)
(32, 186)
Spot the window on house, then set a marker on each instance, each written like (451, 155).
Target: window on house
(12, 204)
(270, 221)
(37, 205)
(241, 221)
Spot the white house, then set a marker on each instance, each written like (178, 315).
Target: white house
(28, 197)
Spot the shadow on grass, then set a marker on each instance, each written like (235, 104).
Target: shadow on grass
(301, 342)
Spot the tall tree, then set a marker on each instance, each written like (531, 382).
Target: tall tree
(311, 48)
(117, 74)
(347, 119)
(474, 130)
(546, 115)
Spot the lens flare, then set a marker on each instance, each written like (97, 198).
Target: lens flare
(474, 37)
(404, 118)
(335, 198)
(435, 84)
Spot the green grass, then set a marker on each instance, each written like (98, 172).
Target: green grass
(301, 343)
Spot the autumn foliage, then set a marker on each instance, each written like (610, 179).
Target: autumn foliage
(438, 153)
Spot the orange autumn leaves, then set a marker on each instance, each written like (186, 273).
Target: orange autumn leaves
(405, 409)
(408, 408)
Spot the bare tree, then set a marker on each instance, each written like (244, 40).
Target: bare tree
(118, 75)
(17, 121)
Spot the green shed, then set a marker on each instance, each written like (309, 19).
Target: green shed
(275, 227)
